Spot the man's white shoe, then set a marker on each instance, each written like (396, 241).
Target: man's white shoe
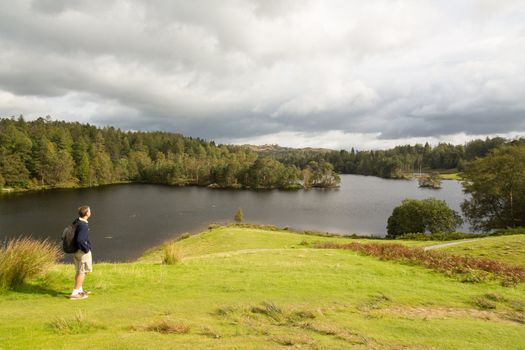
(78, 296)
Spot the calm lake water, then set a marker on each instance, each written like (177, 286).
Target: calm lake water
(129, 219)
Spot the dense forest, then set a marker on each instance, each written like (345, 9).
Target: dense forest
(45, 154)
(398, 162)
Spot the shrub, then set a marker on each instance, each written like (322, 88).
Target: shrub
(25, 258)
(474, 276)
(509, 231)
(483, 303)
(172, 254)
(432, 215)
(239, 216)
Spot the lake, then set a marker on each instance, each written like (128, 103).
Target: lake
(129, 219)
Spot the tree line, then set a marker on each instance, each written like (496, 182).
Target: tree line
(44, 154)
(396, 162)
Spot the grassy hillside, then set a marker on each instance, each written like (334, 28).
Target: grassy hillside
(509, 249)
(244, 288)
(237, 238)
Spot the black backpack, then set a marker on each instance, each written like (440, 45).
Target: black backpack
(68, 239)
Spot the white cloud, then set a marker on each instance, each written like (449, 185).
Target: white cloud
(337, 139)
(241, 69)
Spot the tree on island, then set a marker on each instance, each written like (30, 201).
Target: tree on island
(496, 188)
(320, 174)
(239, 216)
(430, 181)
(421, 216)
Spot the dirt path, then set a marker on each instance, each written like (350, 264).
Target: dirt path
(437, 246)
(257, 250)
(242, 251)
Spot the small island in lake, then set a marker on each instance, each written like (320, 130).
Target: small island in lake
(430, 181)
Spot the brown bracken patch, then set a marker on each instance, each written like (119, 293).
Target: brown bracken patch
(439, 261)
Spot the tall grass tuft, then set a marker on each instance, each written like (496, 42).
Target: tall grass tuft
(78, 324)
(166, 326)
(172, 254)
(25, 258)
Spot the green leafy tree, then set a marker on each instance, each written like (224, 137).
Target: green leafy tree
(496, 188)
(64, 168)
(420, 216)
(320, 174)
(83, 172)
(139, 164)
(307, 174)
(406, 218)
(101, 167)
(432, 181)
(15, 141)
(121, 172)
(265, 173)
(62, 139)
(13, 170)
(53, 166)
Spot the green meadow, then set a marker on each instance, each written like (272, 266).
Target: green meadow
(250, 288)
(510, 249)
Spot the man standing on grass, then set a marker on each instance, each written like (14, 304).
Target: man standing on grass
(82, 257)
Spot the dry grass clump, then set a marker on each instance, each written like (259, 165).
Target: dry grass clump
(268, 309)
(79, 324)
(442, 262)
(171, 254)
(483, 303)
(25, 258)
(167, 326)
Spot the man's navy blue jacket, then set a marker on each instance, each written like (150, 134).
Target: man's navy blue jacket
(81, 235)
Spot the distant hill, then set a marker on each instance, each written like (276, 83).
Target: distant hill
(280, 149)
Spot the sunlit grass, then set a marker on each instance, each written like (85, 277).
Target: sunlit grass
(510, 249)
(249, 289)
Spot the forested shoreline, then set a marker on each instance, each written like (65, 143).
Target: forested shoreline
(398, 162)
(47, 154)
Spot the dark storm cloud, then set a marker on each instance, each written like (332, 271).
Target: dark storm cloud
(244, 68)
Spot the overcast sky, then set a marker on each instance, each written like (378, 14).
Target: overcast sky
(318, 73)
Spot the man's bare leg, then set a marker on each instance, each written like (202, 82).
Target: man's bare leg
(79, 279)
